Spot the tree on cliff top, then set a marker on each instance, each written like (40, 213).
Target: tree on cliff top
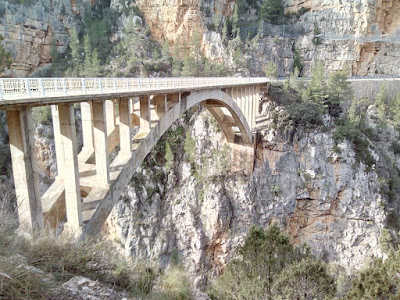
(5, 57)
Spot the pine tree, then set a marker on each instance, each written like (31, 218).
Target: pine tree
(189, 66)
(195, 51)
(165, 52)
(87, 64)
(272, 11)
(96, 64)
(271, 70)
(225, 30)
(5, 57)
(76, 51)
(176, 60)
(235, 21)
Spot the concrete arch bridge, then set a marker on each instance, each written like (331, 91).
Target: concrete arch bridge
(88, 183)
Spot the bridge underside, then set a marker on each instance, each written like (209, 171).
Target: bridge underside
(89, 183)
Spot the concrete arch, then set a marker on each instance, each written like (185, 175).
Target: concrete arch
(208, 98)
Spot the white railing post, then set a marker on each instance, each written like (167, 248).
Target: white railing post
(1, 89)
(140, 87)
(127, 84)
(158, 82)
(115, 84)
(28, 88)
(64, 86)
(148, 80)
(174, 82)
(83, 85)
(166, 82)
(42, 86)
(100, 85)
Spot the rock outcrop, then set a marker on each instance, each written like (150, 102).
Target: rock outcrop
(315, 194)
(30, 28)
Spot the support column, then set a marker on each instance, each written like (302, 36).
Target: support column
(100, 142)
(248, 105)
(244, 102)
(145, 113)
(25, 169)
(239, 98)
(87, 125)
(71, 172)
(255, 105)
(251, 100)
(125, 136)
(161, 105)
(58, 141)
(110, 116)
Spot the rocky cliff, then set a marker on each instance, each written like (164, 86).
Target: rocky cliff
(320, 195)
(30, 28)
(362, 35)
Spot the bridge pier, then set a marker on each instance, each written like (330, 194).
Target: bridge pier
(145, 114)
(25, 168)
(100, 142)
(110, 116)
(70, 172)
(125, 136)
(87, 125)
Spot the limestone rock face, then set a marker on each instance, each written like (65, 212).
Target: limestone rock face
(28, 30)
(316, 195)
(176, 20)
(361, 35)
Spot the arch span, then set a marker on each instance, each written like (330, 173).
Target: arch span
(216, 101)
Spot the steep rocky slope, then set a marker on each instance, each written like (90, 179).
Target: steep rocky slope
(361, 35)
(319, 196)
(29, 29)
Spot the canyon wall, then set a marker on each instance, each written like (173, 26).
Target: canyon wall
(317, 195)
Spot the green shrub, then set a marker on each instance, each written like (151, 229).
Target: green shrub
(176, 285)
(271, 70)
(306, 113)
(263, 256)
(306, 279)
(380, 280)
(169, 155)
(190, 147)
(42, 115)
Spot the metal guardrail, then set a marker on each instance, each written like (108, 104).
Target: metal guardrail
(24, 88)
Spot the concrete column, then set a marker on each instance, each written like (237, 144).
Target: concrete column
(161, 105)
(244, 102)
(125, 136)
(255, 105)
(58, 141)
(100, 142)
(25, 169)
(239, 98)
(110, 116)
(145, 113)
(87, 124)
(248, 105)
(71, 172)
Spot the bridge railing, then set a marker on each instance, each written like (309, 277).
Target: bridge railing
(22, 88)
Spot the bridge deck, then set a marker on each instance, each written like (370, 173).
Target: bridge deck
(45, 91)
